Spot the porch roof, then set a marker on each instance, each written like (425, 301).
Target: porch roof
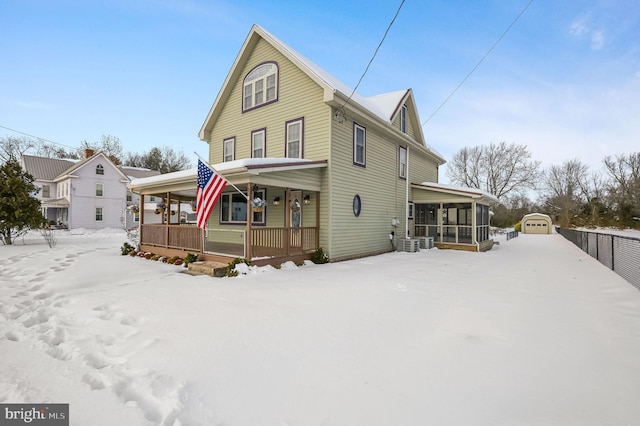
(283, 172)
(57, 203)
(444, 189)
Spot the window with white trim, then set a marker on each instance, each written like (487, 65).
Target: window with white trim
(229, 148)
(258, 143)
(403, 119)
(260, 86)
(359, 145)
(46, 191)
(99, 190)
(295, 129)
(98, 214)
(402, 162)
(99, 169)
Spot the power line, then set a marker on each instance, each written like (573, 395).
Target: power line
(479, 62)
(37, 137)
(374, 54)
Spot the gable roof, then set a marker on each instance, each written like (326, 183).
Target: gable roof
(380, 108)
(42, 168)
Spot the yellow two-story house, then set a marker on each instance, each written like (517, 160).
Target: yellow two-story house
(312, 164)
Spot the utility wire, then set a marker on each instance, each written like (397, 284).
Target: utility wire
(37, 137)
(374, 54)
(479, 62)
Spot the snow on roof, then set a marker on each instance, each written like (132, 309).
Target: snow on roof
(221, 168)
(447, 187)
(379, 105)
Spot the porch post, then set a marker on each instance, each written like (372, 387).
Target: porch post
(249, 221)
(317, 220)
(474, 223)
(442, 222)
(167, 215)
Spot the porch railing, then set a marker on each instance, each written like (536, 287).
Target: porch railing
(272, 242)
(283, 241)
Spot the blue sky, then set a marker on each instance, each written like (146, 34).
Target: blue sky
(565, 80)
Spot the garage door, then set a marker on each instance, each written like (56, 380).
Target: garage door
(536, 226)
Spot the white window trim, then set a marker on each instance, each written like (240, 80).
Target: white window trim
(403, 119)
(257, 75)
(101, 187)
(232, 155)
(402, 166)
(300, 140)
(255, 133)
(101, 214)
(356, 128)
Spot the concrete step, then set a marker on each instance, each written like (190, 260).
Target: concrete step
(214, 269)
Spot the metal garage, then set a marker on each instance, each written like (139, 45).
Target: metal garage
(536, 223)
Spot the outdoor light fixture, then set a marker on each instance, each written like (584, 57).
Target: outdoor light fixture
(255, 189)
(307, 199)
(276, 201)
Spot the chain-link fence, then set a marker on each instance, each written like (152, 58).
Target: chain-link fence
(620, 253)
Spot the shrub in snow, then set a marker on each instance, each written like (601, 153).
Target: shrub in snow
(126, 248)
(191, 257)
(518, 227)
(231, 267)
(319, 256)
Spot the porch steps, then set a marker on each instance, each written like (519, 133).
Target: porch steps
(207, 267)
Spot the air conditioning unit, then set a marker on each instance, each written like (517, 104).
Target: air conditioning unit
(426, 242)
(410, 245)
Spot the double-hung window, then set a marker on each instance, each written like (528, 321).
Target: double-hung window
(294, 134)
(99, 169)
(229, 149)
(46, 191)
(402, 162)
(258, 143)
(359, 145)
(260, 86)
(98, 214)
(99, 190)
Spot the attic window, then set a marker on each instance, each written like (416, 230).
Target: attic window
(403, 119)
(99, 169)
(260, 86)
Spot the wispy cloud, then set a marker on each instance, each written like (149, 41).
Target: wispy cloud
(33, 105)
(597, 40)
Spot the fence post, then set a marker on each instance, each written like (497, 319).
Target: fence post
(613, 255)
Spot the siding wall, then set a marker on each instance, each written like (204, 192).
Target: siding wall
(83, 200)
(298, 97)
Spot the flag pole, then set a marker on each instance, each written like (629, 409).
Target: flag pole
(211, 167)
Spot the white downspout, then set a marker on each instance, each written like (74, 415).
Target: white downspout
(406, 201)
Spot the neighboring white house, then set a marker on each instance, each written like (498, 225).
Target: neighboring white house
(536, 223)
(90, 193)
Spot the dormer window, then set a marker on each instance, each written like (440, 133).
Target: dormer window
(99, 169)
(260, 86)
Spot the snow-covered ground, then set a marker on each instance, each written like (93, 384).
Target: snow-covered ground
(533, 332)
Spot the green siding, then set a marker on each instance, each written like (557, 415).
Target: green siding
(299, 97)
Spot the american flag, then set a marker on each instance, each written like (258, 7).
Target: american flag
(210, 186)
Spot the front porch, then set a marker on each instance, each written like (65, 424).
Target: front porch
(285, 226)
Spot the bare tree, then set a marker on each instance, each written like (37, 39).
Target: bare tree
(164, 160)
(12, 148)
(624, 185)
(109, 145)
(563, 186)
(504, 170)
